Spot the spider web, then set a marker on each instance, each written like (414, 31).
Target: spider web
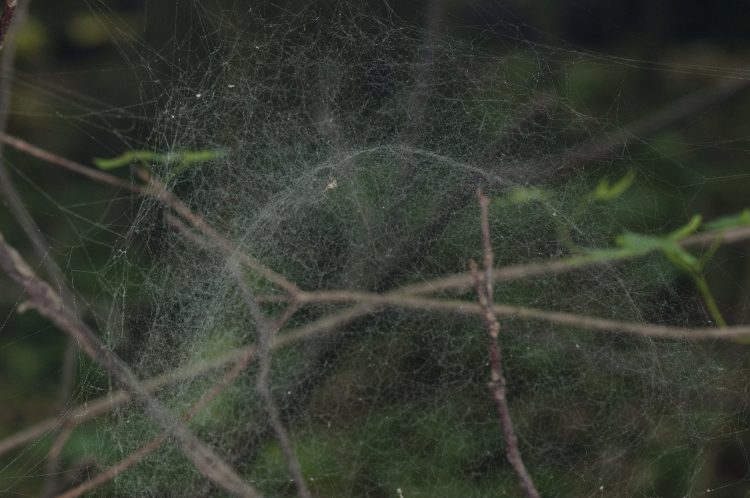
(351, 146)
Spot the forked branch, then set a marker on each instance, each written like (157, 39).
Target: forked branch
(49, 304)
(266, 331)
(497, 384)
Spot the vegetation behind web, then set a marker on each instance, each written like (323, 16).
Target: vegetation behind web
(341, 147)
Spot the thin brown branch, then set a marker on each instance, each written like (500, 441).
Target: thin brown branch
(100, 406)
(53, 462)
(369, 303)
(401, 300)
(23, 217)
(266, 331)
(242, 360)
(158, 191)
(462, 282)
(117, 469)
(67, 383)
(75, 167)
(407, 295)
(6, 19)
(497, 383)
(10, 195)
(403, 297)
(49, 304)
(155, 443)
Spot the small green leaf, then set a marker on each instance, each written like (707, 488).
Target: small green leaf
(606, 192)
(523, 195)
(125, 159)
(688, 229)
(733, 221)
(637, 244)
(199, 156)
(179, 160)
(641, 244)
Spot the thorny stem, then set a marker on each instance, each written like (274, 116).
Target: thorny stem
(49, 304)
(497, 384)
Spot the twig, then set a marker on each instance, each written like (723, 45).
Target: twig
(116, 469)
(28, 225)
(370, 303)
(158, 191)
(6, 18)
(48, 303)
(53, 462)
(401, 300)
(461, 282)
(51, 158)
(159, 440)
(407, 296)
(266, 331)
(497, 384)
(457, 282)
(242, 360)
(403, 297)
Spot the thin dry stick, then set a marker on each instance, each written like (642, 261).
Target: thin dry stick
(156, 442)
(457, 282)
(67, 383)
(51, 482)
(242, 362)
(22, 216)
(371, 301)
(51, 158)
(6, 19)
(405, 297)
(48, 303)
(461, 282)
(368, 304)
(497, 384)
(266, 331)
(158, 191)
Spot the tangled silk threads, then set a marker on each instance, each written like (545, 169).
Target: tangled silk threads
(351, 147)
